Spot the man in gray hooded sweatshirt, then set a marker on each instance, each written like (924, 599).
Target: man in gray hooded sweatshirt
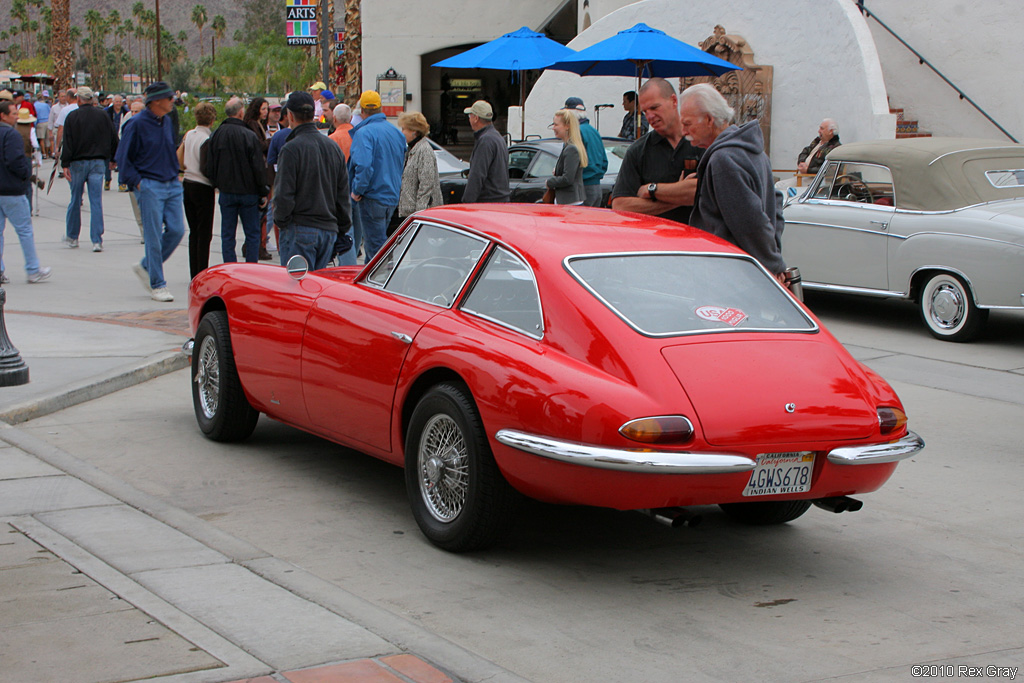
(736, 196)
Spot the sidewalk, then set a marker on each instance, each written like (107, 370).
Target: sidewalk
(102, 582)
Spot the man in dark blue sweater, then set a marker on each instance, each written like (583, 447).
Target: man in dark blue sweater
(15, 170)
(148, 165)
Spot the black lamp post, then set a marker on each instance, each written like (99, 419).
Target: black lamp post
(13, 371)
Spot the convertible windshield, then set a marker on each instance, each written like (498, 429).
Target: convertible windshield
(669, 294)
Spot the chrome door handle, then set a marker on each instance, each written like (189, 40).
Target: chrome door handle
(884, 224)
(401, 336)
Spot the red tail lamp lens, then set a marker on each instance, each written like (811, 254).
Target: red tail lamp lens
(891, 419)
(662, 429)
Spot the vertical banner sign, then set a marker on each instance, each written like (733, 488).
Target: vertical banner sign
(300, 22)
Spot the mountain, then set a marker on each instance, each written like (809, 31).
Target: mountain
(175, 15)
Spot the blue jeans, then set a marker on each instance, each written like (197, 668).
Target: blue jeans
(373, 217)
(247, 207)
(88, 172)
(316, 245)
(162, 223)
(15, 209)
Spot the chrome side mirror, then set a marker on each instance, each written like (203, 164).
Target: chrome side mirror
(297, 267)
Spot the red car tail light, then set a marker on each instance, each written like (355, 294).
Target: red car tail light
(661, 429)
(891, 419)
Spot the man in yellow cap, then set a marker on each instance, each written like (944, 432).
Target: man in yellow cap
(375, 164)
(316, 90)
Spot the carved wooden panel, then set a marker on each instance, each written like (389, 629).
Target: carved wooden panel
(749, 92)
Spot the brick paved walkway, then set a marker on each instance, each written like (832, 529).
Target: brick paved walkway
(163, 320)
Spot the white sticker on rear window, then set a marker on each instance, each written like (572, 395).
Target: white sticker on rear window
(729, 316)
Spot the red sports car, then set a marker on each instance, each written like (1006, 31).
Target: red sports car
(571, 355)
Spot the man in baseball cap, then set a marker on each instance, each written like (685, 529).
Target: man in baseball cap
(148, 165)
(597, 159)
(317, 92)
(376, 161)
(481, 110)
(488, 165)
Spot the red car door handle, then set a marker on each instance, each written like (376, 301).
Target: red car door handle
(401, 336)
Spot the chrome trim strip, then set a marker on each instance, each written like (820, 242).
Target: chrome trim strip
(845, 289)
(847, 228)
(973, 149)
(874, 454)
(623, 460)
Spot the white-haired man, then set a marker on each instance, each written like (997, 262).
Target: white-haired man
(342, 126)
(813, 155)
(736, 197)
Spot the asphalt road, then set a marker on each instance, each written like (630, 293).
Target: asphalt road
(928, 573)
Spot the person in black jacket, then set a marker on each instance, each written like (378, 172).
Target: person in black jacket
(311, 192)
(235, 166)
(90, 143)
(15, 171)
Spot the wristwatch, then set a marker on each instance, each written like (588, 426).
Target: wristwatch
(652, 189)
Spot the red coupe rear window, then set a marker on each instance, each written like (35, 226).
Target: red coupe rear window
(669, 294)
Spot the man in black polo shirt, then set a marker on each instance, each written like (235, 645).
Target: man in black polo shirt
(658, 174)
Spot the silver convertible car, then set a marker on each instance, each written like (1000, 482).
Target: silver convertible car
(939, 221)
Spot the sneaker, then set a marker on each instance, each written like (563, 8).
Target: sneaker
(122, 188)
(39, 276)
(106, 184)
(162, 294)
(72, 244)
(97, 246)
(3, 278)
(143, 276)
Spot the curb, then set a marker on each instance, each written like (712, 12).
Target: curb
(87, 390)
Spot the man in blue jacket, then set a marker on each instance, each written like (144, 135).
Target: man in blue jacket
(148, 165)
(375, 165)
(597, 159)
(15, 171)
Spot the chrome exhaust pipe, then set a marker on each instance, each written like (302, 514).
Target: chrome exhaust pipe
(839, 504)
(674, 517)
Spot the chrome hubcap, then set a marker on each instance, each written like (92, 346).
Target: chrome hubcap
(443, 468)
(948, 306)
(208, 378)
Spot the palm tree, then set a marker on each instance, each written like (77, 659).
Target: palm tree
(19, 14)
(219, 27)
(353, 50)
(93, 19)
(199, 17)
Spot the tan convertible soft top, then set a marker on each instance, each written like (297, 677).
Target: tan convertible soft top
(940, 174)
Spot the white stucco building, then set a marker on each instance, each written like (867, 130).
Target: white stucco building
(829, 59)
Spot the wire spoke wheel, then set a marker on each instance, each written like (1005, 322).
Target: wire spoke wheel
(444, 468)
(222, 410)
(207, 377)
(459, 498)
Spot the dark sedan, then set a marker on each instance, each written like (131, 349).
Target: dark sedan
(532, 162)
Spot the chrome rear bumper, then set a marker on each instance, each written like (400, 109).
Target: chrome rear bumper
(689, 462)
(649, 461)
(877, 453)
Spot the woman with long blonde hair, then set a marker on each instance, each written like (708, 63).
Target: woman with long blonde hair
(567, 182)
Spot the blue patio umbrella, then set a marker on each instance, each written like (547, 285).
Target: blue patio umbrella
(517, 51)
(643, 51)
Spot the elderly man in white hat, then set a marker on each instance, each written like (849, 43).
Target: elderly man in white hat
(488, 165)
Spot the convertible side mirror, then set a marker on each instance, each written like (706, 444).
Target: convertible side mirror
(297, 267)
